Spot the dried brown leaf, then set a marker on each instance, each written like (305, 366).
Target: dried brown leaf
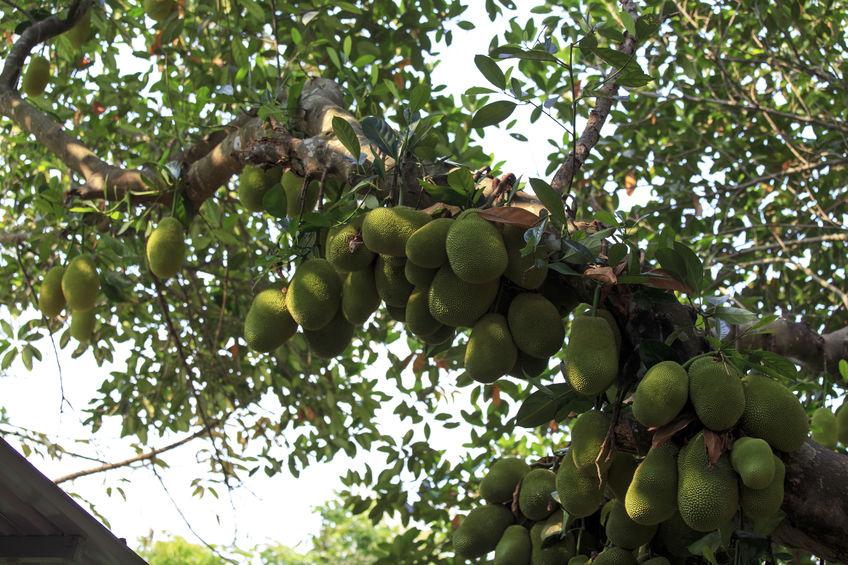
(663, 434)
(604, 274)
(513, 216)
(630, 182)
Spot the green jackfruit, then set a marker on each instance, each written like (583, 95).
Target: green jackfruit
(764, 503)
(298, 202)
(499, 483)
(578, 560)
(359, 296)
(490, 352)
(80, 283)
(332, 339)
(81, 32)
(480, 531)
(652, 495)
(442, 335)
(753, 459)
(159, 10)
(535, 325)
(50, 297)
(386, 230)
(82, 325)
(391, 282)
(426, 246)
(36, 76)
(584, 309)
(522, 270)
(588, 432)
(580, 493)
(268, 323)
(614, 556)
(823, 427)
(514, 548)
(476, 250)
(419, 321)
(842, 424)
(254, 182)
(591, 357)
(314, 294)
(716, 393)
(398, 314)
(661, 394)
(344, 248)
(418, 276)
(543, 551)
(622, 531)
(707, 496)
(620, 474)
(457, 303)
(660, 560)
(774, 414)
(166, 248)
(675, 536)
(534, 498)
(528, 366)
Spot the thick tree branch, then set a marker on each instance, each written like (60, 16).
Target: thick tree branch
(795, 340)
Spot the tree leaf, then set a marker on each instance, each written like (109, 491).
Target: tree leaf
(347, 135)
(381, 134)
(490, 70)
(551, 199)
(509, 215)
(492, 114)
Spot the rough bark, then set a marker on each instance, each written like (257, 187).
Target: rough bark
(797, 341)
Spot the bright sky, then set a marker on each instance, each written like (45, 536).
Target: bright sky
(266, 510)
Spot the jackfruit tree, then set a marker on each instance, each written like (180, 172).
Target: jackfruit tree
(649, 345)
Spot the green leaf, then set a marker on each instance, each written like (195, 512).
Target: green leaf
(492, 114)
(381, 134)
(419, 97)
(629, 24)
(515, 52)
(274, 201)
(647, 25)
(735, 316)
(843, 369)
(347, 135)
(461, 180)
(490, 69)
(541, 406)
(551, 199)
(707, 546)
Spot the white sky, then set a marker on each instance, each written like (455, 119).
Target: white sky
(267, 510)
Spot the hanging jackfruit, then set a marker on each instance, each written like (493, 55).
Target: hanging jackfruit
(36, 76)
(499, 483)
(391, 282)
(476, 250)
(254, 183)
(620, 475)
(268, 323)
(314, 294)
(584, 309)
(419, 321)
(514, 547)
(661, 394)
(580, 493)
(490, 352)
(622, 531)
(824, 428)
(80, 283)
(345, 249)
(359, 296)
(707, 496)
(81, 31)
(299, 202)
(591, 356)
(386, 230)
(534, 498)
(418, 276)
(523, 269)
(50, 297)
(614, 556)
(82, 325)
(652, 495)
(716, 393)
(426, 246)
(753, 460)
(588, 432)
(331, 339)
(842, 424)
(774, 414)
(528, 366)
(456, 303)
(166, 248)
(480, 531)
(758, 504)
(535, 325)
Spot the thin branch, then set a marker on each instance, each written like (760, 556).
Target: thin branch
(787, 244)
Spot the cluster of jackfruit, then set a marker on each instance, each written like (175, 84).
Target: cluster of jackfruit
(830, 429)
(75, 288)
(271, 189)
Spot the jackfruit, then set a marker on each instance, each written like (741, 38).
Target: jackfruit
(344, 247)
(314, 294)
(824, 428)
(36, 76)
(159, 10)
(398, 314)
(418, 276)
(527, 366)
(298, 201)
(476, 250)
(440, 336)
(652, 495)
(268, 323)
(620, 474)
(490, 352)
(758, 504)
(457, 303)
(419, 321)
(80, 283)
(622, 531)
(514, 548)
(426, 246)
(499, 483)
(81, 31)
(480, 531)
(580, 493)
(774, 414)
(386, 230)
(546, 553)
(614, 556)
(661, 394)
(716, 393)
(535, 325)
(842, 424)
(707, 497)
(82, 325)
(676, 537)
(584, 309)
(166, 248)
(391, 282)
(50, 297)
(659, 560)
(332, 339)
(251, 187)
(534, 497)
(359, 296)
(522, 270)
(588, 432)
(591, 357)
(753, 460)
(578, 560)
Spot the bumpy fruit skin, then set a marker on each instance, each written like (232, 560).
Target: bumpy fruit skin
(499, 483)
(268, 323)
(418, 276)
(547, 553)
(622, 531)
(652, 495)
(480, 531)
(36, 76)
(579, 493)
(588, 432)
(296, 206)
(614, 556)
(661, 394)
(359, 296)
(620, 475)
(522, 270)
(707, 497)
(534, 498)
(332, 339)
(764, 503)
(528, 366)
(418, 318)
(81, 284)
(774, 414)
(457, 303)
(824, 428)
(50, 297)
(81, 31)
(159, 10)
(166, 248)
(753, 460)
(398, 314)
(314, 294)
(345, 250)
(675, 536)
(82, 325)
(391, 282)
(535, 325)
(440, 336)
(514, 548)
(251, 187)
(657, 561)
(426, 246)
(386, 230)
(584, 309)
(476, 250)
(716, 393)
(578, 560)
(842, 423)
(591, 357)
(490, 352)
